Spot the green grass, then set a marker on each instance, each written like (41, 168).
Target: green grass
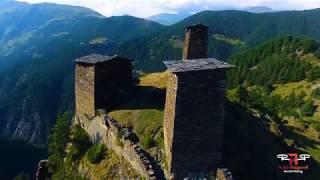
(311, 58)
(286, 89)
(146, 123)
(305, 128)
(111, 167)
(157, 80)
(303, 132)
(235, 42)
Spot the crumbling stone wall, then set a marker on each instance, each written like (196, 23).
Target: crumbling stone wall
(103, 129)
(194, 132)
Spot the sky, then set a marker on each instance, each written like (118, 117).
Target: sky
(146, 8)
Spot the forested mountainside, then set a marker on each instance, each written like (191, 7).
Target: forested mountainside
(229, 31)
(38, 45)
(278, 84)
(277, 80)
(37, 58)
(35, 31)
(18, 157)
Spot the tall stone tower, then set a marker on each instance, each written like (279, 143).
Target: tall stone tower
(100, 82)
(194, 109)
(196, 42)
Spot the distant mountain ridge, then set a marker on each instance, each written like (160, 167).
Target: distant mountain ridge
(229, 31)
(172, 18)
(37, 51)
(169, 18)
(38, 43)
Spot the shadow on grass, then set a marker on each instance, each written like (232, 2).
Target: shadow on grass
(142, 97)
(250, 148)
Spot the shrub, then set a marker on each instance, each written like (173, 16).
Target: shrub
(313, 74)
(316, 93)
(308, 108)
(22, 176)
(96, 153)
(317, 53)
(148, 142)
(58, 140)
(80, 142)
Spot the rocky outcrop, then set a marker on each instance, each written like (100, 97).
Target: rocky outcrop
(223, 174)
(29, 129)
(104, 129)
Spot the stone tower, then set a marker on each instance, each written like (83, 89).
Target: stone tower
(100, 82)
(194, 109)
(196, 42)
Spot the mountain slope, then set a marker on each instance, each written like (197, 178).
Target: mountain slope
(278, 83)
(168, 18)
(248, 28)
(36, 58)
(37, 48)
(35, 30)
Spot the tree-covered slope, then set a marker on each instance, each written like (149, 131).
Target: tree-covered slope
(38, 44)
(277, 83)
(34, 31)
(18, 157)
(229, 31)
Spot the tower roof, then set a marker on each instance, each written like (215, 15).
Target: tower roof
(195, 65)
(98, 58)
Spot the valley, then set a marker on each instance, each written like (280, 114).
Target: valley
(273, 93)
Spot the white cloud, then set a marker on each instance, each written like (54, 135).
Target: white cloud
(144, 8)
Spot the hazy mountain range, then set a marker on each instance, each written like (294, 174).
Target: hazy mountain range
(39, 42)
(171, 18)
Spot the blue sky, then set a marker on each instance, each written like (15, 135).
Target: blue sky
(145, 8)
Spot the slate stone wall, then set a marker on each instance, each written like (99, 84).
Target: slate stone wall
(169, 116)
(194, 132)
(84, 90)
(196, 43)
(104, 129)
(112, 81)
(102, 85)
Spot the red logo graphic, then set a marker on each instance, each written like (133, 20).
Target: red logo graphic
(293, 159)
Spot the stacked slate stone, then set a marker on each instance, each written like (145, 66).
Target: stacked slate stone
(101, 82)
(141, 155)
(145, 161)
(194, 109)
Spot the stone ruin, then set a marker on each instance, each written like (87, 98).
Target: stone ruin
(193, 115)
(120, 139)
(194, 109)
(101, 81)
